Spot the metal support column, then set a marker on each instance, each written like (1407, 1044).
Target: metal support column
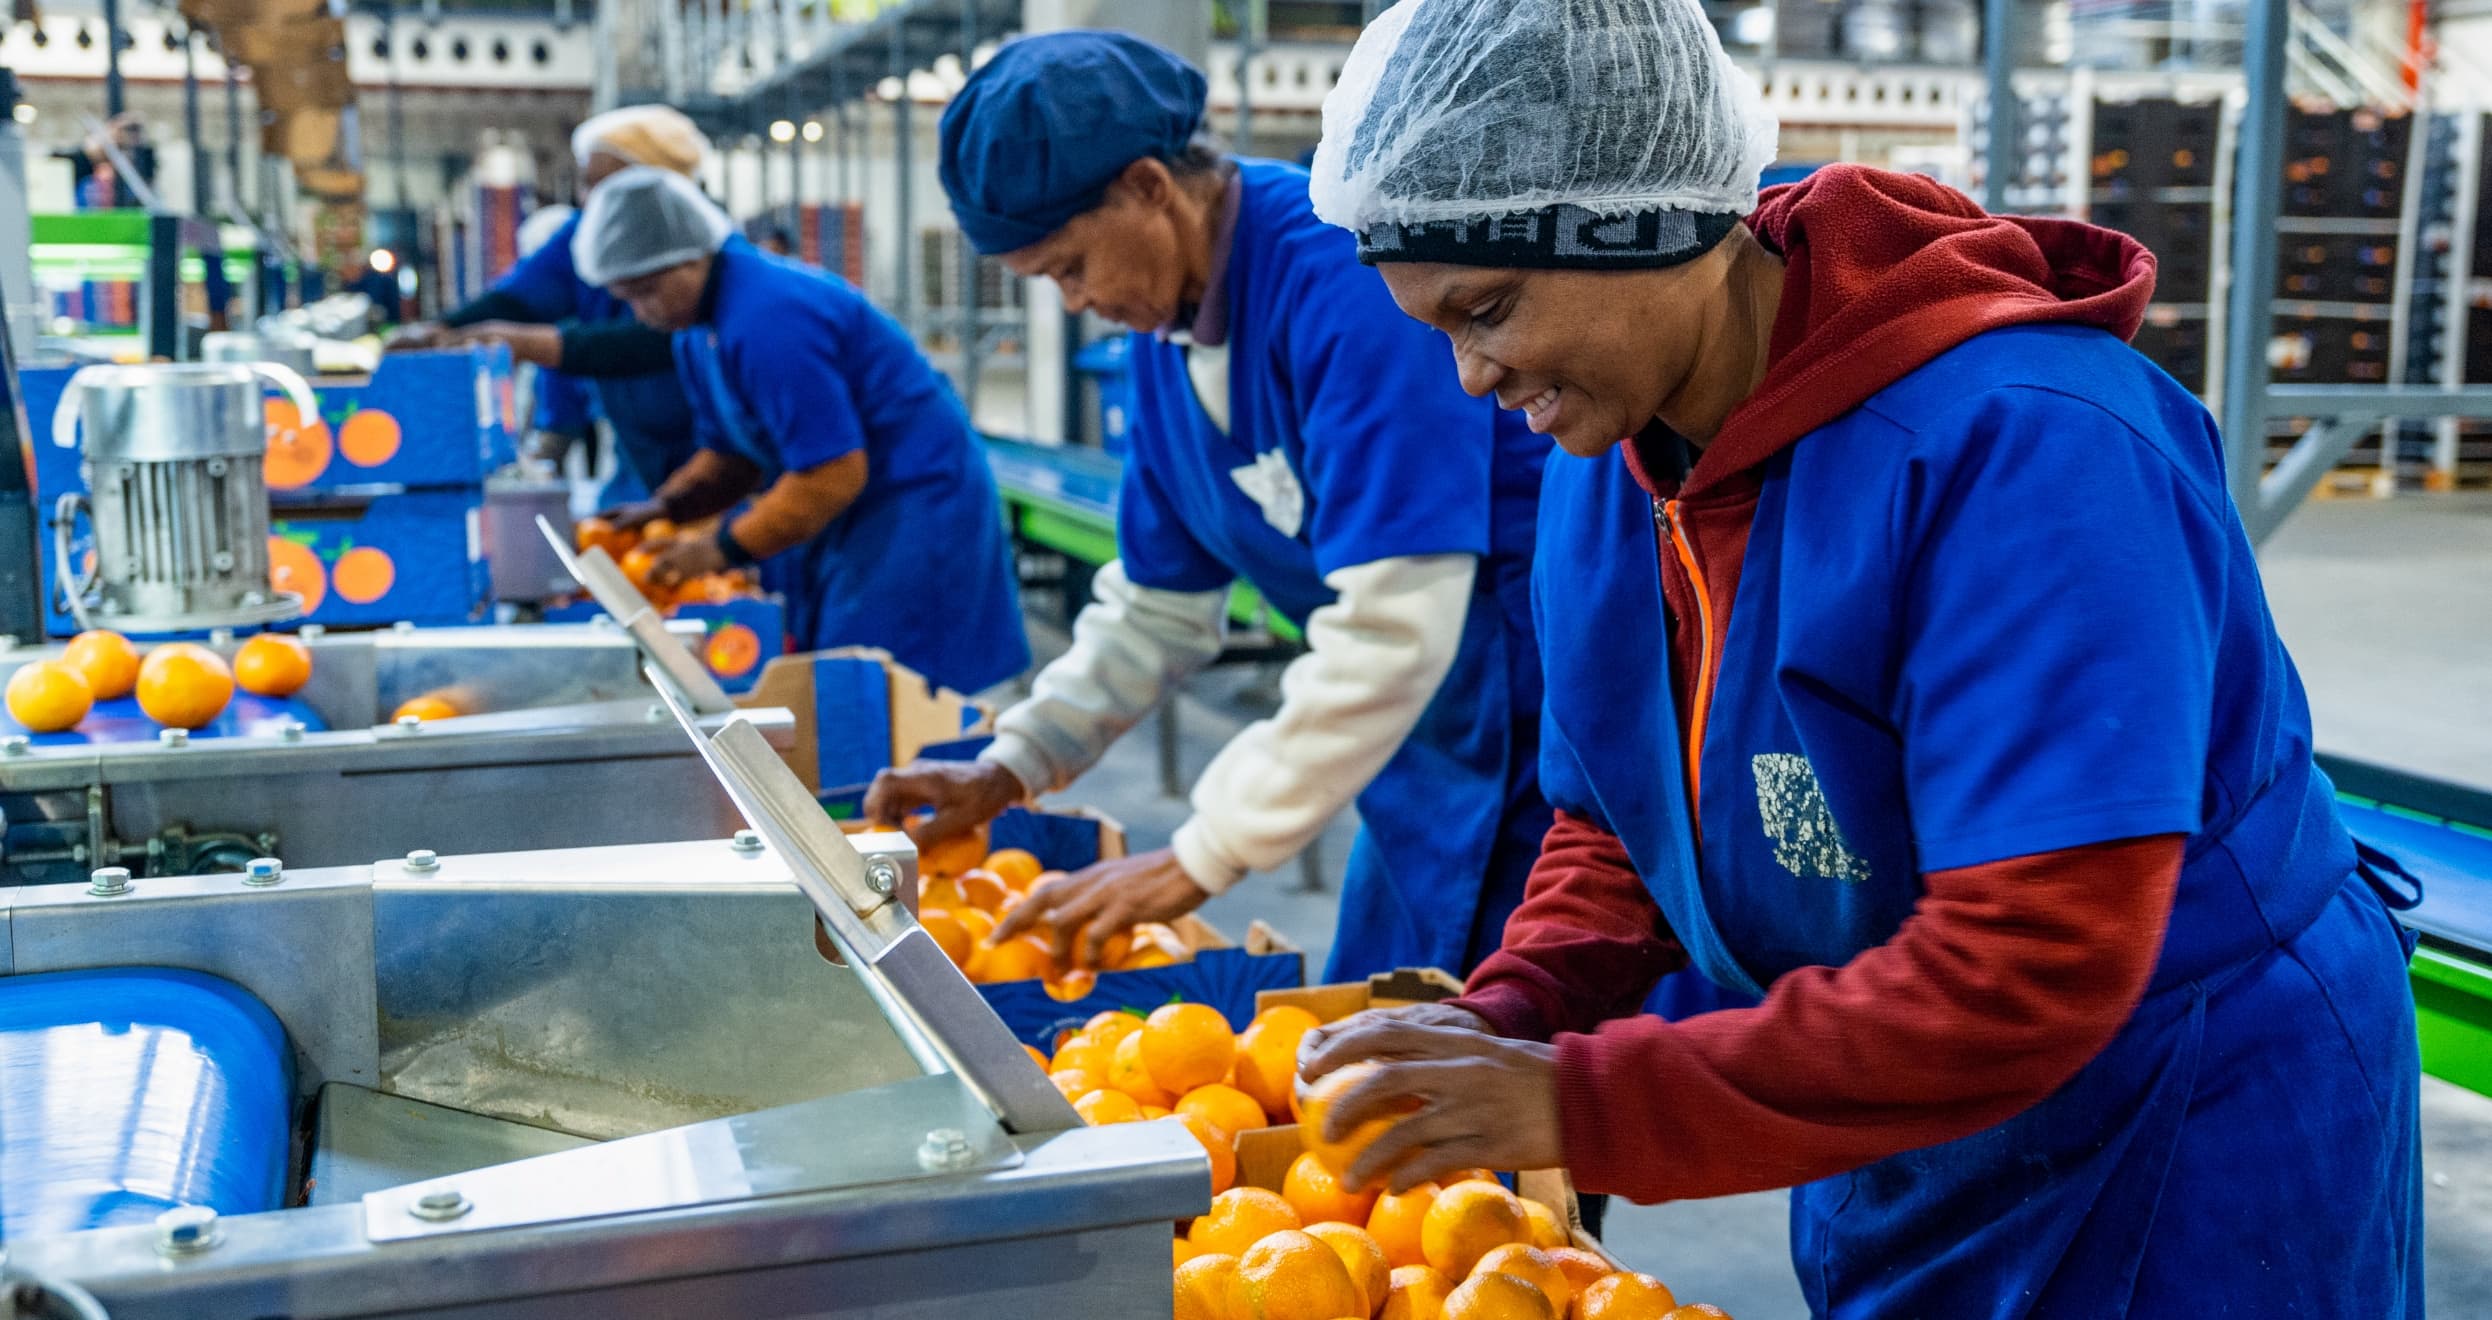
(972, 334)
(1249, 41)
(233, 132)
(397, 105)
(116, 97)
(1998, 34)
(904, 191)
(2249, 308)
(199, 167)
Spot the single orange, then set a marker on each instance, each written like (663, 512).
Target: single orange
(107, 659)
(659, 531)
(732, 651)
(1314, 1102)
(1018, 868)
(980, 924)
(1625, 1296)
(1267, 1056)
(429, 707)
(363, 574)
(296, 567)
(298, 447)
(1037, 1056)
(983, 889)
(940, 891)
(1396, 1220)
(1112, 1027)
(1156, 1111)
(1080, 1051)
(598, 534)
(1239, 1218)
(1469, 1220)
(1070, 986)
(1155, 945)
(1415, 1293)
(1547, 1230)
(48, 696)
(1216, 1147)
(1361, 1257)
(1208, 1288)
(1181, 1251)
(950, 936)
(1468, 1175)
(1127, 1074)
(1023, 958)
(1187, 1045)
(638, 563)
(184, 685)
(369, 437)
(1102, 1107)
(1533, 1266)
(1581, 1268)
(1073, 1082)
(1316, 1193)
(1291, 1276)
(1497, 1297)
(952, 857)
(273, 665)
(1228, 1108)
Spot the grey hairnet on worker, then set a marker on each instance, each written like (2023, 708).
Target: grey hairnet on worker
(644, 220)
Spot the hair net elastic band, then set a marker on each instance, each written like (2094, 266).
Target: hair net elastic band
(1553, 237)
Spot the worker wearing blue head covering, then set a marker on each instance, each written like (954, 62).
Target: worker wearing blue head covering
(1291, 430)
(875, 515)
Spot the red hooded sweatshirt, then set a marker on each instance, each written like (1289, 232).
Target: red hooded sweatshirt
(2009, 976)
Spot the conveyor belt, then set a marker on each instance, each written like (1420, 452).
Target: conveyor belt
(121, 721)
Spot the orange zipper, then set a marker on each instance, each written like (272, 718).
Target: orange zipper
(1704, 655)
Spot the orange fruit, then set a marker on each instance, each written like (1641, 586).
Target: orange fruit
(1291, 1276)
(48, 696)
(980, 924)
(659, 530)
(1415, 1293)
(1074, 1082)
(363, 574)
(1071, 987)
(1497, 1297)
(1102, 1107)
(1208, 1288)
(1154, 944)
(369, 437)
(1187, 1045)
(1580, 1267)
(272, 665)
(599, 534)
(427, 707)
(1037, 1056)
(1547, 1230)
(1081, 1052)
(1180, 1251)
(1111, 1028)
(1025, 958)
(1533, 1266)
(296, 567)
(637, 564)
(982, 889)
(940, 892)
(108, 660)
(1267, 1056)
(1468, 1175)
(1698, 1311)
(1150, 1112)
(1018, 868)
(1316, 1193)
(184, 685)
(1126, 1074)
(1314, 1101)
(951, 937)
(1469, 1220)
(1625, 1296)
(955, 856)
(1361, 1257)
(1396, 1220)
(1240, 1217)
(1215, 1145)
(1227, 1108)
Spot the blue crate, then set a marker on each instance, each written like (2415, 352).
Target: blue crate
(367, 559)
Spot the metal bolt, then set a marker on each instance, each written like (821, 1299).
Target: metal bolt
(882, 876)
(291, 731)
(220, 637)
(441, 1206)
(945, 1149)
(108, 881)
(747, 842)
(403, 626)
(656, 714)
(222, 561)
(17, 744)
(187, 1230)
(312, 632)
(173, 737)
(410, 724)
(216, 467)
(422, 860)
(261, 872)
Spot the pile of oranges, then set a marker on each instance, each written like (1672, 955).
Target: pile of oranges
(180, 685)
(636, 553)
(964, 890)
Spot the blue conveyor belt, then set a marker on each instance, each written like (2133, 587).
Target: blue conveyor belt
(2454, 864)
(121, 721)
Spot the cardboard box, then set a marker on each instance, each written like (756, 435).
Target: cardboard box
(436, 418)
(368, 560)
(859, 711)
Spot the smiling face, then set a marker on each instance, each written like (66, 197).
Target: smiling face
(669, 299)
(1588, 357)
(1129, 258)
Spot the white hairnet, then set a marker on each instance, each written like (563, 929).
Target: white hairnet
(642, 221)
(1459, 110)
(643, 135)
(541, 225)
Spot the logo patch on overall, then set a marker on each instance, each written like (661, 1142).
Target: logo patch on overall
(1793, 804)
(1273, 487)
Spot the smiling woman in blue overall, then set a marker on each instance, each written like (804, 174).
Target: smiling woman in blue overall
(1907, 663)
(1291, 430)
(876, 516)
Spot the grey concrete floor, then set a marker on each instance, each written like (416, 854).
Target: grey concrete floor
(2387, 608)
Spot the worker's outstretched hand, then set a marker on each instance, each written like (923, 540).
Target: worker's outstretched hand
(540, 344)
(1459, 1097)
(1082, 911)
(635, 515)
(687, 557)
(963, 795)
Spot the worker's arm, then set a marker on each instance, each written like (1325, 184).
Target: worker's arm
(708, 483)
(1375, 658)
(793, 511)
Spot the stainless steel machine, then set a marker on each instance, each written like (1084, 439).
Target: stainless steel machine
(613, 1082)
(172, 465)
(570, 748)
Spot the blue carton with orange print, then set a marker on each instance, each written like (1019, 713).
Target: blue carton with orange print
(441, 418)
(381, 557)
